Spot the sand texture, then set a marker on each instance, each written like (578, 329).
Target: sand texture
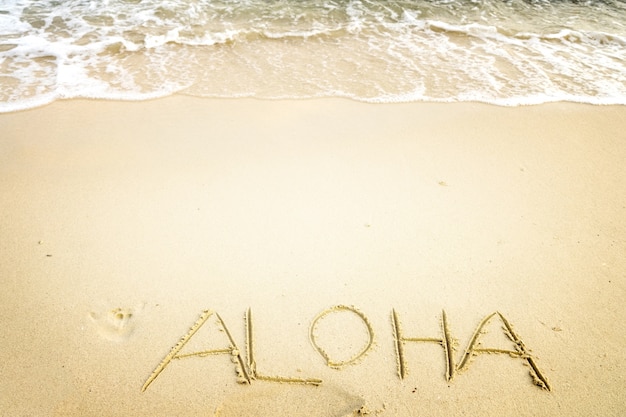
(195, 257)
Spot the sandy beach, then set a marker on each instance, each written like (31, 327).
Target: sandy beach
(239, 257)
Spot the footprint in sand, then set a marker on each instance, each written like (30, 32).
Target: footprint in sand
(116, 325)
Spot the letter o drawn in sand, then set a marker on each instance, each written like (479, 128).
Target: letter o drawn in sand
(340, 334)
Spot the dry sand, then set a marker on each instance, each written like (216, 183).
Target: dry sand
(120, 223)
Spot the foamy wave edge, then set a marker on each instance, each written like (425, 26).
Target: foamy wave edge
(33, 103)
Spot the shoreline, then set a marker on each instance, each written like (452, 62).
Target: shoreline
(505, 103)
(123, 221)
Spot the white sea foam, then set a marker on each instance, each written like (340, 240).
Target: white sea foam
(506, 53)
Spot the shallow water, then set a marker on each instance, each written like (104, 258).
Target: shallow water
(503, 52)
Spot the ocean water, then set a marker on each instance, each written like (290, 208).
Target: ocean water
(506, 52)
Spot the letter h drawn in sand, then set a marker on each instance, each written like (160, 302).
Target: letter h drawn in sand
(446, 342)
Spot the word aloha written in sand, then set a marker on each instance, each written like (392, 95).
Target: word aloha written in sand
(246, 369)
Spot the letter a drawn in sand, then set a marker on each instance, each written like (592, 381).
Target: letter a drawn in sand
(174, 353)
(473, 349)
